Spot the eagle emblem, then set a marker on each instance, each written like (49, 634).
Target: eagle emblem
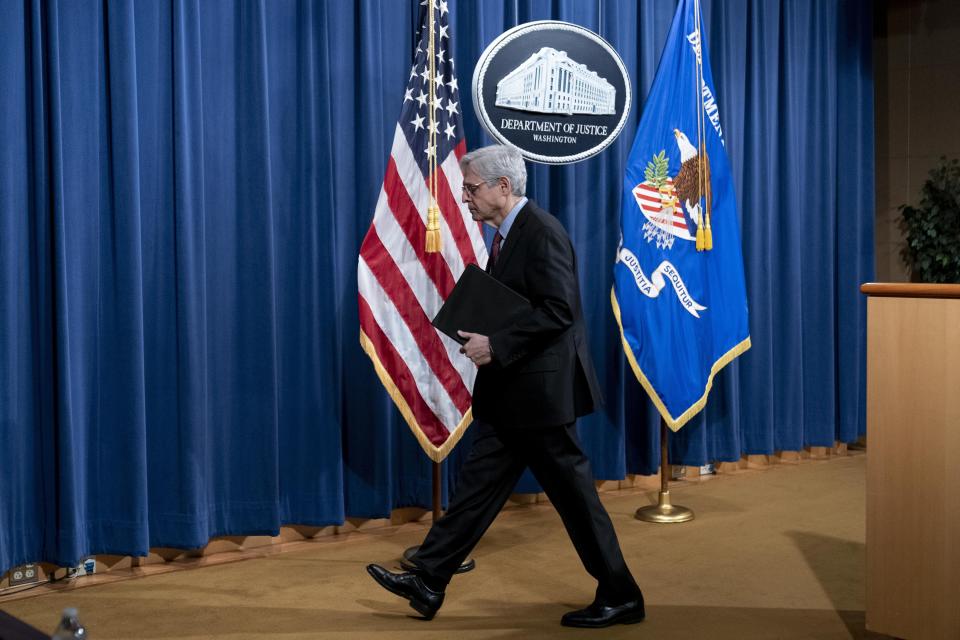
(672, 205)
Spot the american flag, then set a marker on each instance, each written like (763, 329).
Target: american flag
(401, 285)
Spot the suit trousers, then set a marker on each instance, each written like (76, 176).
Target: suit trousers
(493, 467)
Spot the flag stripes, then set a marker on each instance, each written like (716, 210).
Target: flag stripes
(401, 286)
(650, 200)
(399, 375)
(401, 294)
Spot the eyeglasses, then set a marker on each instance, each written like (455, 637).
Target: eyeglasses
(472, 188)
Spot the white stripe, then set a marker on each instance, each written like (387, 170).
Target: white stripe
(398, 333)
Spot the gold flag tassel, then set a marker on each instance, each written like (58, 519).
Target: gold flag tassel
(707, 234)
(433, 244)
(704, 232)
(433, 228)
(707, 200)
(704, 186)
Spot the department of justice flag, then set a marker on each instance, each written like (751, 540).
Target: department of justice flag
(403, 273)
(679, 294)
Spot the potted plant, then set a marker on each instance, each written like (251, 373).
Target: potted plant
(932, 229)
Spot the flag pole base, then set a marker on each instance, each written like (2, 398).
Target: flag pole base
(468, 565)
(664, 512)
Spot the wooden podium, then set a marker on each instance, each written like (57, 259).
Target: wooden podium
(913, 460)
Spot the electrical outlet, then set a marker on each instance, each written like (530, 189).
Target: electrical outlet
(24, 574)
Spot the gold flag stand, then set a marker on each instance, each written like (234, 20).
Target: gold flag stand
(664, 512)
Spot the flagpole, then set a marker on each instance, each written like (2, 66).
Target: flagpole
(469, 564)
(664, 512)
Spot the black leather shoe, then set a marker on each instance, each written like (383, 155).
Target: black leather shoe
(599, 615)
(408, 585)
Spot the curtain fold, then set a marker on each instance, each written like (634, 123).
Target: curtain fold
(184, 187)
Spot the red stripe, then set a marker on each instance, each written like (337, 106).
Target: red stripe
(416, 231)
(454, 217)
(400, 374)
(650, 209)
(428, 342)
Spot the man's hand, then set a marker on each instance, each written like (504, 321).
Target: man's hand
(477, 348)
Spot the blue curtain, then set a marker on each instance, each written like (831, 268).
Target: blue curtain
(184, 186)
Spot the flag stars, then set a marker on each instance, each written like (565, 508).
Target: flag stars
(436, 113)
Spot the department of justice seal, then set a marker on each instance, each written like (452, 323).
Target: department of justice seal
(555, 90)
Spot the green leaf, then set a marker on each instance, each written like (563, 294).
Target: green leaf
(656, 171)
(932, 228)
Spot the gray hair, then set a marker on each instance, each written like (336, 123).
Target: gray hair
(498, 161)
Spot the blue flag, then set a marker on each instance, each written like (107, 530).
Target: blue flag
(678, 292)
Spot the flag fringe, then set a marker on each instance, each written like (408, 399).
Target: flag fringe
(435, 453)
(695, 408)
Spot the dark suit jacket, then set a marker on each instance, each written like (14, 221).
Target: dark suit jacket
(542, 373)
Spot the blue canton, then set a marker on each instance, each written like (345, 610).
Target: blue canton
(414, 119)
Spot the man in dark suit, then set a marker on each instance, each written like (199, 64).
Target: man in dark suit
(535, 378)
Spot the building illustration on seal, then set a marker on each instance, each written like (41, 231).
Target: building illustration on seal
(549, 81)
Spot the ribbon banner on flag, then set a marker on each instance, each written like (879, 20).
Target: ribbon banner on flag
(419, 243)
(679, 227)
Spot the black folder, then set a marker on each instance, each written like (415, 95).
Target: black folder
(479, 303)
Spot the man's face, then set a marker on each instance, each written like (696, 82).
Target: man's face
(485, 201)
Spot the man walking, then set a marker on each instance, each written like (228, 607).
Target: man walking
(534, 379)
